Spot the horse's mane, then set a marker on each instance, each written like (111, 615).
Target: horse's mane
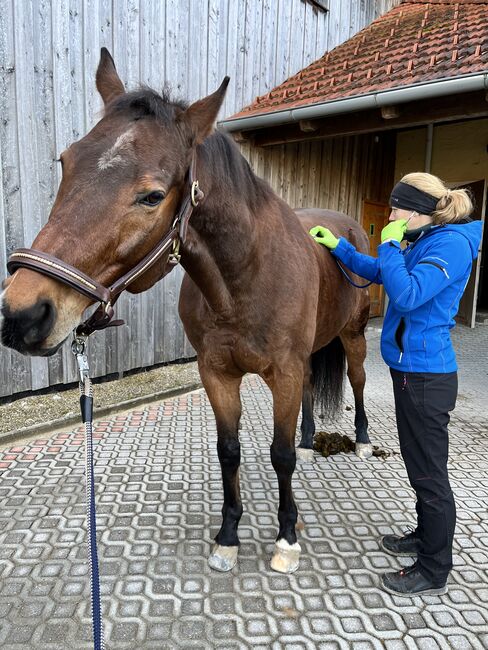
(233, 171)
(220, 152)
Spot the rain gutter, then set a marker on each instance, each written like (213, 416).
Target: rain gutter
(390, 97)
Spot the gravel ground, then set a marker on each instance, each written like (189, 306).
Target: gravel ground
(41, 412)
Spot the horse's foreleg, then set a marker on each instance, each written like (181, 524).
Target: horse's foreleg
(287, 392)
(223, 393)
(355, 347)
(307, 426)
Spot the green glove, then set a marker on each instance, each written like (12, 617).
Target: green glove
(394, 230)
(324, 236)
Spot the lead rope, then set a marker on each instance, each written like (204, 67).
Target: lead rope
(78, 348)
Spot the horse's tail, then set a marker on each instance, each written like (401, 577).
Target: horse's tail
(328, 367)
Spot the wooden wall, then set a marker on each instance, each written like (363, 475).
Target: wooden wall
(458, 151)
(337, 173)
(49, 51)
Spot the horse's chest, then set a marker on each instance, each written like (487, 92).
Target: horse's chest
(225, 349)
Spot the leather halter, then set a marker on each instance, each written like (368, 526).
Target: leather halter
(46, 264)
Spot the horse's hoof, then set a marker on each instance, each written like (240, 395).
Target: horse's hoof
(364, 450)
(286, 557)
(223, 558)
(305, 455)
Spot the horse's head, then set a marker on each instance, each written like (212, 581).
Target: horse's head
(121, 187)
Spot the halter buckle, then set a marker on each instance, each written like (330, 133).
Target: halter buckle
(175, 255)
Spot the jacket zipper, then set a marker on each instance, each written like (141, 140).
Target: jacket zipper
(438, 266)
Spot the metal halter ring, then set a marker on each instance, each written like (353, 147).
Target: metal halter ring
(195, 190)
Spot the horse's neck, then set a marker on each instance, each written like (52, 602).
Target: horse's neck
(220, 253)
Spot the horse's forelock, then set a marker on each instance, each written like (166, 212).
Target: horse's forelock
(148, 103)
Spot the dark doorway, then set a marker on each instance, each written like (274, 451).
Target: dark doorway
(482, 304)
(470, 301)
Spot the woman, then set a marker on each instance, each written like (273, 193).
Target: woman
(424, 283)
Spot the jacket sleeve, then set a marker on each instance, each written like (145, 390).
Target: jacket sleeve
(364, 265)
(438, 268)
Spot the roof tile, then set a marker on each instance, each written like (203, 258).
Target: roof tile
(417, 41)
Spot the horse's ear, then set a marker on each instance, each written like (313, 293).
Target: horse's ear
(108, 81)
(201, 115)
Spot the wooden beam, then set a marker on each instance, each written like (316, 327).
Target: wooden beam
(441, 109)
(243, 136)
(390, 112)
(308, 126)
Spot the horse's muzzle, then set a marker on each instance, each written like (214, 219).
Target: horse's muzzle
(26, 329)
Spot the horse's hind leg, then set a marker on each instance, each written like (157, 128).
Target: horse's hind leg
(307, 426)
(223, 393)
(286, 386)
(354, 344)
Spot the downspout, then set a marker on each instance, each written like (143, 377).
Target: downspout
(428, 147)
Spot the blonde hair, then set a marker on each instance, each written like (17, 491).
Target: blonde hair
(452, 206)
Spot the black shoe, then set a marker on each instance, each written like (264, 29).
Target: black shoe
(406, 546)
(410, 582)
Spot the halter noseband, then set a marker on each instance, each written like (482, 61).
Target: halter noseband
(46, 264)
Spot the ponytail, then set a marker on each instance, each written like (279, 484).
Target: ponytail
(452, 205)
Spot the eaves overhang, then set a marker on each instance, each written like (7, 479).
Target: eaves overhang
(377, 99)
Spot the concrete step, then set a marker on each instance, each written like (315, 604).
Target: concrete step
(482, 317)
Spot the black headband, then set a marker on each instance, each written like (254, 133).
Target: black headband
(408, 197)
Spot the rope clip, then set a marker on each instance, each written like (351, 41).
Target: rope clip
(78, 348)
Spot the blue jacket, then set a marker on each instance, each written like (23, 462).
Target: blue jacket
(424, 283)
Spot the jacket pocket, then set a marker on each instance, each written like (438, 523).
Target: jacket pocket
(399, 332)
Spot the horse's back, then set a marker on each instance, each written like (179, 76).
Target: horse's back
(340, 224)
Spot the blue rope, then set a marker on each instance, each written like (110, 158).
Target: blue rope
(86, 405)
(98, 641)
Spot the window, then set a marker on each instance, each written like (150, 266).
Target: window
(323, 5)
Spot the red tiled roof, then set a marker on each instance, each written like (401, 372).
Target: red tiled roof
(418, 41)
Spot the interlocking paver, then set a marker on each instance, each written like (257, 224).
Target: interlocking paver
(159, 498)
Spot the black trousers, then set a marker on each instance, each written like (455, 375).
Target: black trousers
(422, 404)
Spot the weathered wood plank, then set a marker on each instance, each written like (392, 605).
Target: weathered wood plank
(5, 354)
(20, 370)
(25, 89)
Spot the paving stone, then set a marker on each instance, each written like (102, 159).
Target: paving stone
(159, 498)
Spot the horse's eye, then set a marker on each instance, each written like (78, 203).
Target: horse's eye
(152, 199)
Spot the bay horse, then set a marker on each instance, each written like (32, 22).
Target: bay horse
(258, 296)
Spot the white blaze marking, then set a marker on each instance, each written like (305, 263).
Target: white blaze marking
(115, 155)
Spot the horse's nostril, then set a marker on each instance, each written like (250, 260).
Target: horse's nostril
(38, 322)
